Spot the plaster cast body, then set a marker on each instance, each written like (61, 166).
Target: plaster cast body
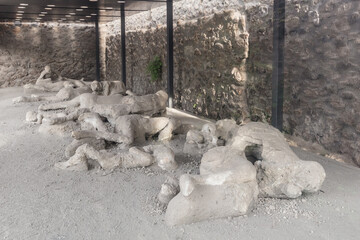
(168, 190)
(107, 88)
(43, 83)
(132, 158)
(229, 184)
(225, 187)
(240, 163)
(115, 105)
(69, 92)
(280, 172)
(130, 129)
(98, 144)
(198, 142)
(66, 93)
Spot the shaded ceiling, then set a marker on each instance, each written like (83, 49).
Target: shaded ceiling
(70, 10)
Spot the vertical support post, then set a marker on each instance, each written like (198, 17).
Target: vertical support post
(123, 46)
(97, 47)
(278, 64)
(170, 51)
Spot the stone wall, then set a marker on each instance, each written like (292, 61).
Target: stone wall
(26, 50)
(322, 69)
(211, 49)
(223, 64)
(209, 64)
(323, 73)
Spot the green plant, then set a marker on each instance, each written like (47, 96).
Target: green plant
(154, 68)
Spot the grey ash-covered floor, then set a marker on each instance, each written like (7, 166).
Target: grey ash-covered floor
(39, 202)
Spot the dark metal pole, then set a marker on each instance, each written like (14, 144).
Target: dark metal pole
(123, 46)
(278, 64)
(97, 35)
(170, 51)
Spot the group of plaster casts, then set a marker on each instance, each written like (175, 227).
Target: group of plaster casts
(68, 89)
(255, 161)
(130, 116)
(239, 163)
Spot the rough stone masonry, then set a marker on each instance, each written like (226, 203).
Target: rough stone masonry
(322, 61)
(223, 64)
(25, 51)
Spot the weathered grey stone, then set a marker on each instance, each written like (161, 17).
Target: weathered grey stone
(131, 158)
(280, 173)
(69, 114)
(225, 187)
(62, 130)
(198, 142)
(107, 88)
(31, 116)
(229, 183)
(226, 129)
(98, 144)
(130, 129)
(168, 190)
(194, 136)
(66, 93)
(163, 155)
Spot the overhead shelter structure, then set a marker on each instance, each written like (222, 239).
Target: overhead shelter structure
(89, 12)
(102, 11)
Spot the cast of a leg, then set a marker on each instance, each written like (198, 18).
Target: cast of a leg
(69, 114)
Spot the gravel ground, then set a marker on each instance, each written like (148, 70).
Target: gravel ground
(39, 202)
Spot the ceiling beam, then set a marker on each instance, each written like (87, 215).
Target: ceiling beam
(24, 10)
